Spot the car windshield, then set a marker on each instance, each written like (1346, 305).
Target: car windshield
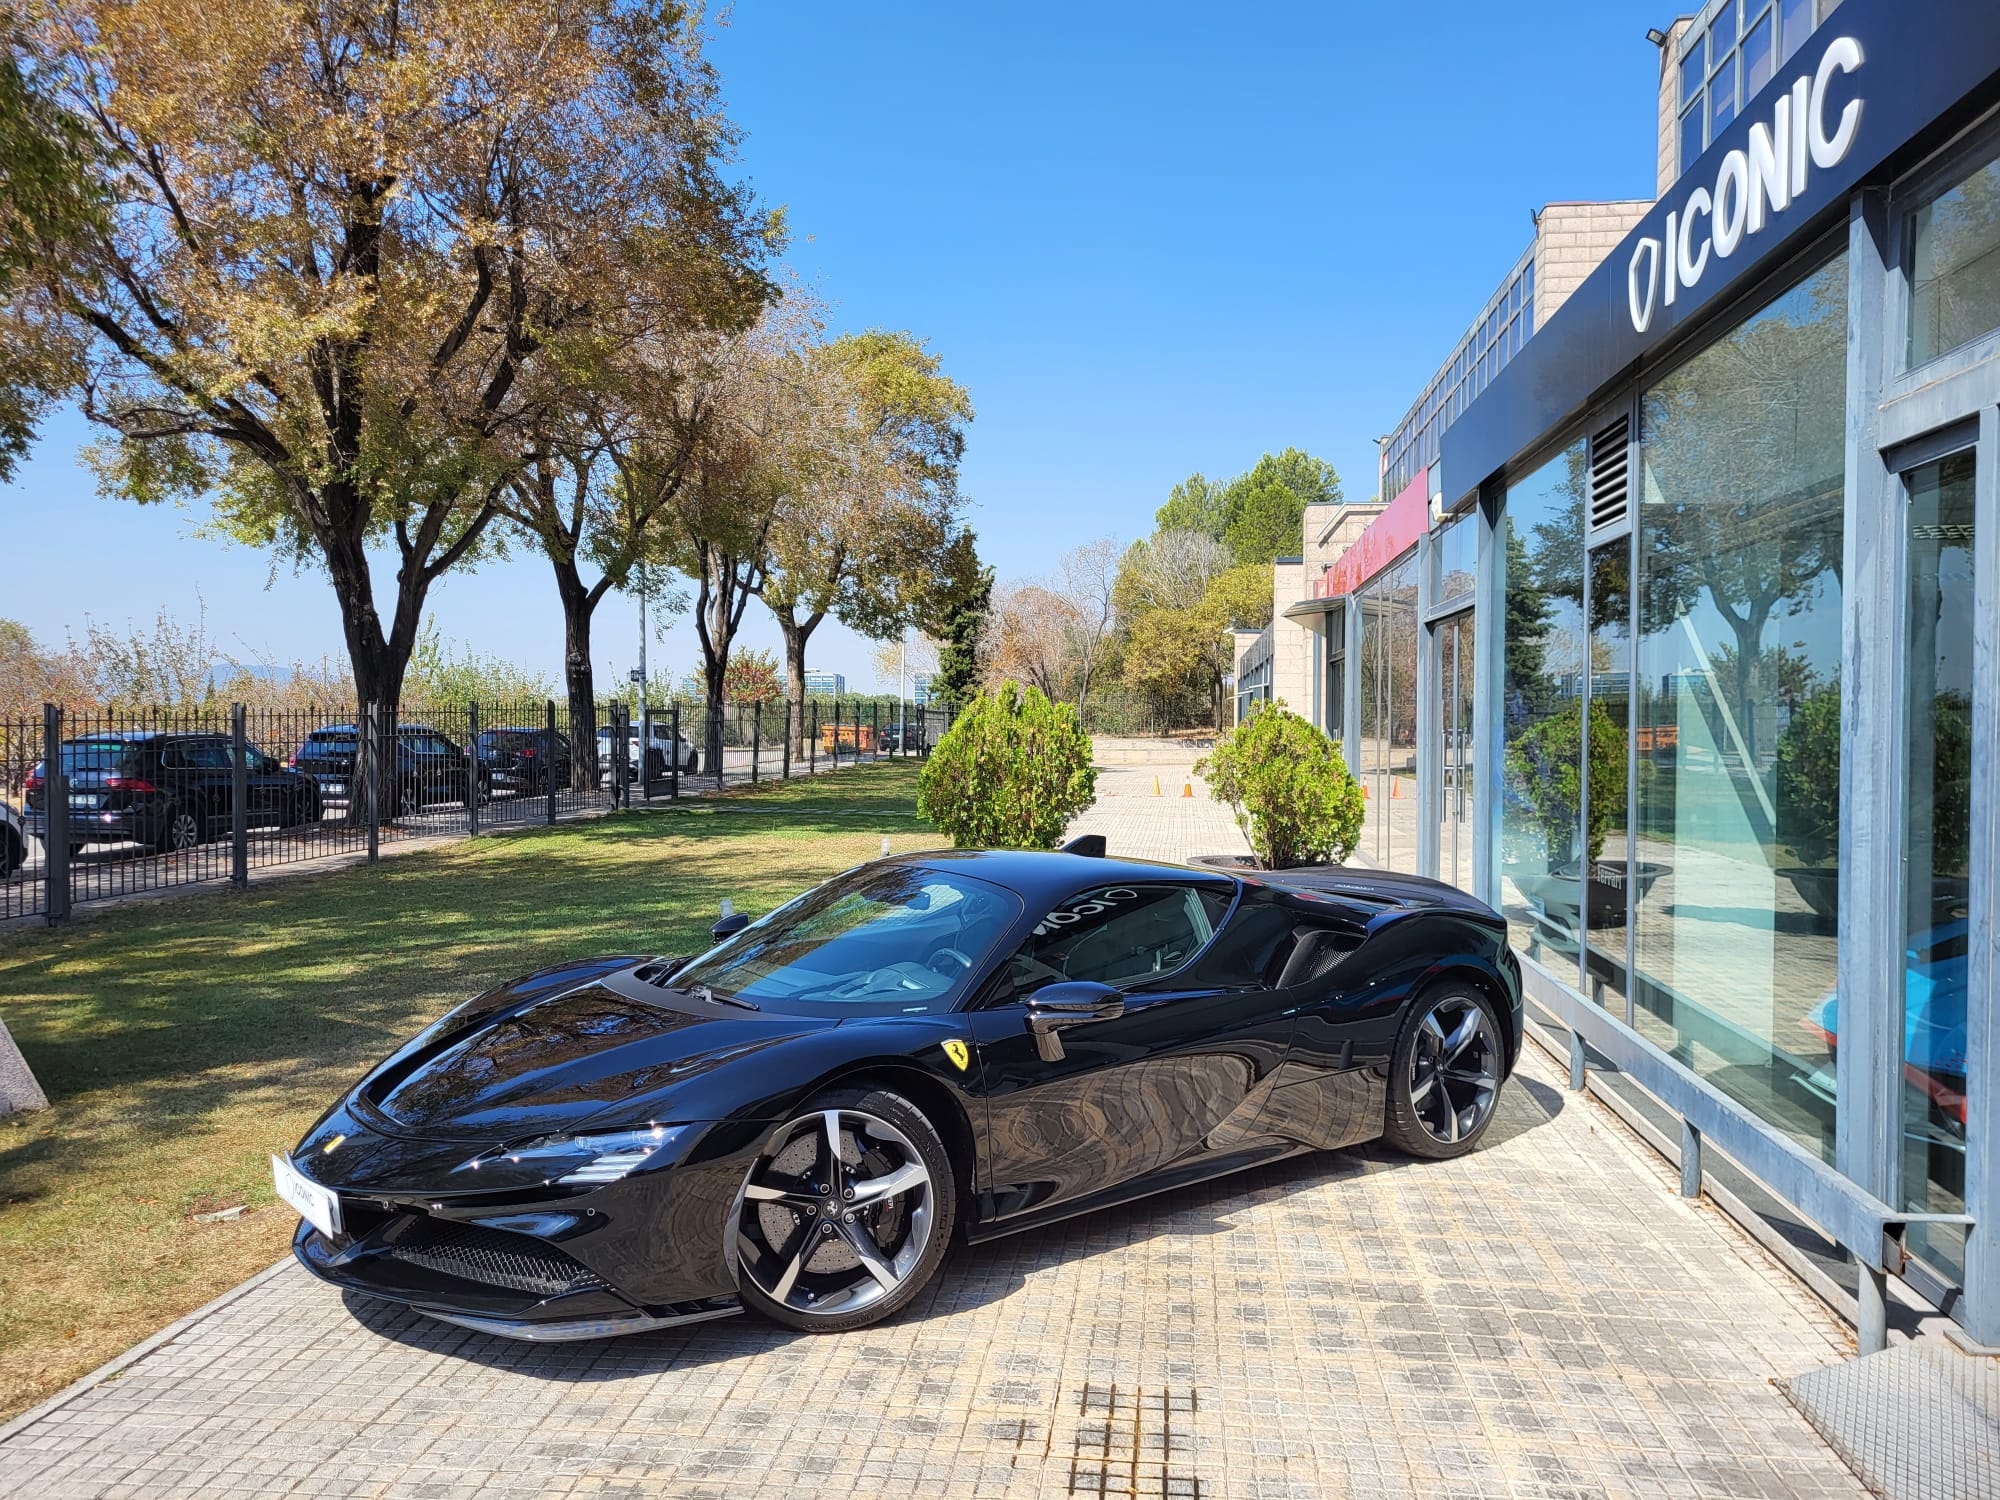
(513, 739)
(331, 739)
(897, 938)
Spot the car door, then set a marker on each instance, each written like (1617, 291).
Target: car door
(1169, 1074)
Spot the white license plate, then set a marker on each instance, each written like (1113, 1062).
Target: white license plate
(83, 799)
(317, 1205)
(336, 788)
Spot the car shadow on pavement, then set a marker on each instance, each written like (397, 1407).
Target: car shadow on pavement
(972, 1276)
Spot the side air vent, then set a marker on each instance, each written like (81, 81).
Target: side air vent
(1610, 475)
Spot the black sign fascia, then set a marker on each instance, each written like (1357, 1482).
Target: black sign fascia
(1922, 61)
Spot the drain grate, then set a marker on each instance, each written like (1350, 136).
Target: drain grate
(1135, 1442)
(1916, 1422)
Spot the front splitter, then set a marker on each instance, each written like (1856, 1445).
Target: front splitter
(584, 1328)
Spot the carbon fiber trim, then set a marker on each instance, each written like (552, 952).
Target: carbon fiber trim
(492, 1256)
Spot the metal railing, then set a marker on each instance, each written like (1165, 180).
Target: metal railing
(105, 804)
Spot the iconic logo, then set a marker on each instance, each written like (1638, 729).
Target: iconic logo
(1750, 185)
(959, 1053)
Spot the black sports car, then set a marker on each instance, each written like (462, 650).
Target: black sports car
(799, 1119)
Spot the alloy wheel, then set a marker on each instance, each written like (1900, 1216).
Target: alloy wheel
(836, 1215)
(183, 832)
(1455, 1069)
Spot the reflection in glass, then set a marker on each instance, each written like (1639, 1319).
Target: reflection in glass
(1722, 98)
(1455, 662)
(1606, 900)
(1336, 675)
(1542, 647)
(1758, 62)
(1955, 266)
(1455, 560)
(1936, 852)
(1389, 716)
(1738, 753)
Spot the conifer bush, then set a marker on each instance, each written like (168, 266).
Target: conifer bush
(1293, 796)
(1010, 773)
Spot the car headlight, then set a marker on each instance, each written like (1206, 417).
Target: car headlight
(598, 1158)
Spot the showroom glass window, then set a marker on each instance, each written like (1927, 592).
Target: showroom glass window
(1542, 643)
(1955, 266)
(1455, 562)
(1738, 687)
(1389, 715)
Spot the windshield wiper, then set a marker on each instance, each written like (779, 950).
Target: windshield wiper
(703, 992)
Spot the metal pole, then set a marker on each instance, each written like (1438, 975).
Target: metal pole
(646, 748)
(1690, 1161)
(836, 734)
(1576, 1063)
(756, 737)
(786, 773)
(875, 730)
(812, 744)
(1871, 1322)
(549, 765)
(472, 769)
(674, 750)
(55, 819)
(239, 799)
(371, 757)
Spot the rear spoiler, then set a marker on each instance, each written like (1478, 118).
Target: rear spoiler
(1089, 845)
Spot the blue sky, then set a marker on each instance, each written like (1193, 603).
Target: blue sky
(1149, 239)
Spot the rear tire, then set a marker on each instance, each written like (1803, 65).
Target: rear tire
(1444, 1081)
(826, 1242)
(180, 830)
(13, 852)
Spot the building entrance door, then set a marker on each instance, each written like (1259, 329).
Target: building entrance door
(1455, 659)
(1939, 998)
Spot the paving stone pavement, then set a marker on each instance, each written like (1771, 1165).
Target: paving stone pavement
(1542, 1318)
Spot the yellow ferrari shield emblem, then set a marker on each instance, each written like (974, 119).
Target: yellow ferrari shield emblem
(959, 1053)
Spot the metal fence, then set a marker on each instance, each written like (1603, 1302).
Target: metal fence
(99, 805)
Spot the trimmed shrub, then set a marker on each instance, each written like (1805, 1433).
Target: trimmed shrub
(1293, 796)
(1010, 773)
(1545, 764)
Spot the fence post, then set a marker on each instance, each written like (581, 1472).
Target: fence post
(239, 799)
(836, 734)
(549, 764)
(786, 764)
(875, 730)
(756, 737)
(472, 769)
(55, 819)
(646, 752)
(812, 744)
(674, 751)
(371, 775)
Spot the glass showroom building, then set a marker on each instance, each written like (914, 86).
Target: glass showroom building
(1685, 652)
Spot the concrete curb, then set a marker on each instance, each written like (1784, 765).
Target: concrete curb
(139, 1351)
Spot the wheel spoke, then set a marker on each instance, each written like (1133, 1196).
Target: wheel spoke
(1450, 1120)
(1459, 1040)
(763, 1194)
(1422, 1090)
(1435, 1030)
(870, 1255)
(834, 1166)
(890, 1185)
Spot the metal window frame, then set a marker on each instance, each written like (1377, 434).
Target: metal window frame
(1973, 149)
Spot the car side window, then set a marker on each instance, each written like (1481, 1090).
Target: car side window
(1121, 935)
(198, 755)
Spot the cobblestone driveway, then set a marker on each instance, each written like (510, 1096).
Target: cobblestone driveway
(1542, 1318)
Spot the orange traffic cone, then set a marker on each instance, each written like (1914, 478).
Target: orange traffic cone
(1364, 791)
(1395, 787)
(1156, 786)
(1187, 788)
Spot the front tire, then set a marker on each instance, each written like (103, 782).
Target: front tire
(180, 830)
(13, 852)
(1444, 1082)
(846, 1215)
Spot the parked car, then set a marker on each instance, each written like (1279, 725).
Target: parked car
(798, 1120)
(429, 767)
(13, 840)
(516, 759)
(664, 744)
(166, 790)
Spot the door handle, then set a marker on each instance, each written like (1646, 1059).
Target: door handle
(1074, 1003)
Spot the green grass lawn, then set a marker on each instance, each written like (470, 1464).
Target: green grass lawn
(182, 1041)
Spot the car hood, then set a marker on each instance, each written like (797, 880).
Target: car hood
(553, 1061)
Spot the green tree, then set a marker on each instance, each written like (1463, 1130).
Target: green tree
(353, 253)
(955, 616)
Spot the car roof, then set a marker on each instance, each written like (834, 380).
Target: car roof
(1049, 875)
(145, 736)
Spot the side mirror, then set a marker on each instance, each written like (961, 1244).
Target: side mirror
(729, 926)
(1069, 1002)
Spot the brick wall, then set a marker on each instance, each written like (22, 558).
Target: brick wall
(1668, 167)
(1571, 239)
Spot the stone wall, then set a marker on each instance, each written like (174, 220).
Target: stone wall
(1571, 239)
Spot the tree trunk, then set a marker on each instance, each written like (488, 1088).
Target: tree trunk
(578, 605)
(796, 633)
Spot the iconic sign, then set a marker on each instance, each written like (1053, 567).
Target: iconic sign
(1750, 185)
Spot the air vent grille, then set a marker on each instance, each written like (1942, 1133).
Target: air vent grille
(1610, 474)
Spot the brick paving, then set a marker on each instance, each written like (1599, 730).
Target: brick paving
(1542, 1318)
